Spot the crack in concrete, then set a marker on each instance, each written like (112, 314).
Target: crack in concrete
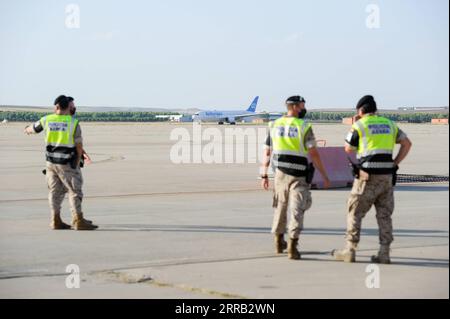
(145, 279)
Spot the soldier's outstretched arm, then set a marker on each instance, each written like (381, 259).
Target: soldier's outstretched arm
(405, 147)
(315, 157)
(34, 128)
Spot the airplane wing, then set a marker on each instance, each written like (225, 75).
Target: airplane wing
(259, 115)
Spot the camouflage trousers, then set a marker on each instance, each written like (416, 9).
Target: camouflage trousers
(62, 179)
(293, 193)
(378, 191)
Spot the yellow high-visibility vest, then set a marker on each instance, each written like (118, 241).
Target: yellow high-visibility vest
(59, 137)
(288, 145)
(377, 139)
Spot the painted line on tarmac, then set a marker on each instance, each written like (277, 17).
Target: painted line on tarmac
(162, 263)
(193, 261)
(201, 192)
(143, 195)
(110, 158)
(251, 257)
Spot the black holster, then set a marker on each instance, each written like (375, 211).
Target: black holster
(73, 160)
(355, 169)
(310, 173)
(394, 176)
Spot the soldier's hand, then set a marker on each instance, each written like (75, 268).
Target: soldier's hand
(87, 158)
(326, 183)
(265, 183)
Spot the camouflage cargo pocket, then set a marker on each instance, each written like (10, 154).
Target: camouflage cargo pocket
(359, 186)
(306, 200)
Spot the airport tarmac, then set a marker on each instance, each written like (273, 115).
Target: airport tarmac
(203, 230)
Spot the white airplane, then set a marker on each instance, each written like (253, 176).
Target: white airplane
(230, 117)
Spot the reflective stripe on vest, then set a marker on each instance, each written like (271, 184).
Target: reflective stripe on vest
(298, 167)
(378, 165)
(288, 134)
(59, 137)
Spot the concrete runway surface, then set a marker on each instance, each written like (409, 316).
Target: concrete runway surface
(203, 230)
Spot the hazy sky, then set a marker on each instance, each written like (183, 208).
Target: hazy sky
(220, 54)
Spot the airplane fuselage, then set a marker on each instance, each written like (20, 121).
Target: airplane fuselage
(220, 117)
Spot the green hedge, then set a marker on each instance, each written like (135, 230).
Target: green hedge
(88, 116)
(398, 117)
(25, 116)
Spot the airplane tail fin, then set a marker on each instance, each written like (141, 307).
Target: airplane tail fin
(252, 107)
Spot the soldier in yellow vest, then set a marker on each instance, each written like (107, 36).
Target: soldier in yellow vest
(373, 138)
(64, 148)
(288, 144)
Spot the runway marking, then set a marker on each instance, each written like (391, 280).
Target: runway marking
(143, 195)
(183, 262)
(111, 158)
(201, 192)
(199, 261)
(223, 191)
(250, 257)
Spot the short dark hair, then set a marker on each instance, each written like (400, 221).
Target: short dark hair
(71, 99)
(367, 104)
(62, 101)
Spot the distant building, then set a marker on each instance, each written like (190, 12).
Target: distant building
(423, 108)
(440, 108)
(175, 118)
